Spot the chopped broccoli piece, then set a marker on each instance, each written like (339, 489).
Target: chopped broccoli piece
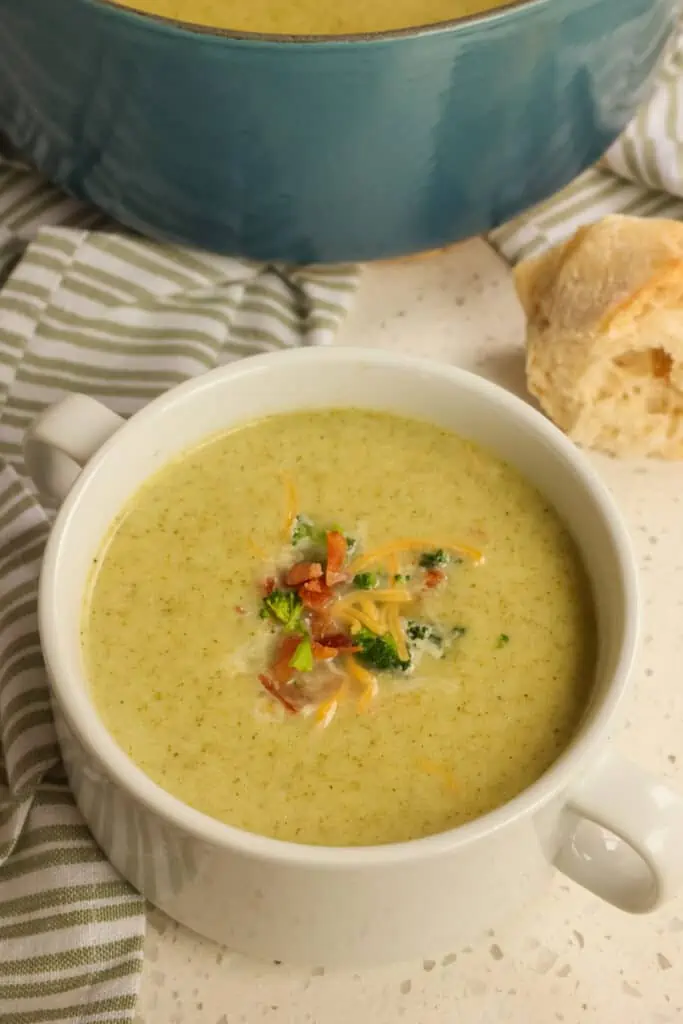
(439, 642)
(286, 607)
(300, 530)
(423, 631)
(379, 652)
(502, 640)
(304, 529)
(402, 577)
(366, 580)
(433, 559)
(302, 659)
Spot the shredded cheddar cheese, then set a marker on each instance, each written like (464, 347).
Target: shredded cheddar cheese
(369, 693)
(412, 544)
(358, 672)
(366, 679)
(368, 607)
(326, 711)
(355, 615)
(375, 613)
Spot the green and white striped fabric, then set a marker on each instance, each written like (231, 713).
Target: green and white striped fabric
(641, 175)
(122, 319)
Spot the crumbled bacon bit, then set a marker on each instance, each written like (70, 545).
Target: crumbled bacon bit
(268, 684)
(302, 572)
(315, 595)
(268, 586)
(323, 652)
(336, 556)
(282, 671)
(240, 609)
(320, 624)
(339, 641)
(434, 578)
(333, 579)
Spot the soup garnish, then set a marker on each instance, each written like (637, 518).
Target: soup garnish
(338, 624)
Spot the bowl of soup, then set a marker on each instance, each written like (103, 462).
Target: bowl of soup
(335, 639)
(311, 132)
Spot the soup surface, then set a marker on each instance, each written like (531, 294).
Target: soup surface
(184, 627)
(310, 17)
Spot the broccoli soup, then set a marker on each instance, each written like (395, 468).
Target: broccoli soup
(340, 627)
(310, 17)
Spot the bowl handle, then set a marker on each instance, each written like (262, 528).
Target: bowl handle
(62, 440)
(625, 837)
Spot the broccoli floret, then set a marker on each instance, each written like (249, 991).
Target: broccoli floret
(502, 640)
(402, 577)
(302, 659)
(379, 652)
(365, 580)
(423, 631)
(458, 631)
(285, 606)
(304, 529)
(433, 559)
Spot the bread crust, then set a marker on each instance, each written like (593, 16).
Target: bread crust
(605, 335)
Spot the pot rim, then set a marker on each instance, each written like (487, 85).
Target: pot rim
(176, 26)
(83, 720)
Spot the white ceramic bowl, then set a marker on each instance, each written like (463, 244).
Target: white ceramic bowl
(309, 904)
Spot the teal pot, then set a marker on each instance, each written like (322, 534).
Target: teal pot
(322, 149)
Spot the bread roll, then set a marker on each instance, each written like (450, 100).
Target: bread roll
(605, 335)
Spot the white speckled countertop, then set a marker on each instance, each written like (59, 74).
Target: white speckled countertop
(571, 958)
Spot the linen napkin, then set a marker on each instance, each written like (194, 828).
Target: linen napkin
(640, 175)
(88, 307)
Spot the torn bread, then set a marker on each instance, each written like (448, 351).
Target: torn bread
(605, 335)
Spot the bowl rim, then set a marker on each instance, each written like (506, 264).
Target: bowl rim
(176, 26)
(84, 722)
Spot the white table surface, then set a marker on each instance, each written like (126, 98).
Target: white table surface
(570, 959)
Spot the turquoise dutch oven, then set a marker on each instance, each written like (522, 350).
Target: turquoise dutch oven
(314, 149)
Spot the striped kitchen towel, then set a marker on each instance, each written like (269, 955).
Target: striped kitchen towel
(641, 175)
(87, 307)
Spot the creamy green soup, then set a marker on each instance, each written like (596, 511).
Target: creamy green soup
(181, 641)
(310, 17)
